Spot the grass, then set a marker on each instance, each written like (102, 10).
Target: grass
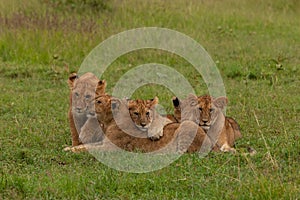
(256, 47)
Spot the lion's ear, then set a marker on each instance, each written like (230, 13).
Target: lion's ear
(176, 102)
(71, 80)
(130, 103)
(220, 102)
(115, 103)
(192, 99)
(101, 86)
(153, 102)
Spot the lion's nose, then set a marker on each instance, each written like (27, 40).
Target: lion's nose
(143, 124)
(78, 109)
(205, 121)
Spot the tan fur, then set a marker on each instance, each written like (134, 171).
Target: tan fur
(82, 90)
(207, 112)
(120, 131)
(172, 118)
(95, 127)
(146, 119)
(92, 132)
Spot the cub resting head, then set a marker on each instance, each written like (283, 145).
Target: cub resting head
(145, 117)
(121, 130)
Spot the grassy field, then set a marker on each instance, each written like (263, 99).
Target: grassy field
(255, 44)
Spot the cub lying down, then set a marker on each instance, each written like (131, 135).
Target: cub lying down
(147, 122)
(145, 117)
(207, 112)
(176, 137)
(123, 132)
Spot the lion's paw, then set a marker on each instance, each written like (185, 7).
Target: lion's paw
(67, 148)
(227, 148)
(156, 136)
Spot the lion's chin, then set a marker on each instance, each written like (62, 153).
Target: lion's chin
(142, 128)
(205, 128)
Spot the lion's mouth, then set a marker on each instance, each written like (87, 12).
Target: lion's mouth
(142, 128)
(77, 110)
(91, 114)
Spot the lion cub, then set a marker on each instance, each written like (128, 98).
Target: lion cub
(147, 122)
(121, 131)
(207, 112)
(82, 91)
(93, 130)
(146, 119)
(122, 124)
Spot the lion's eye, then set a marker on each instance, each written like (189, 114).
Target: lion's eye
(211, 110)
(148, 113)
(136, 113)
(98, 102)
(76, 94)
(87, 96)
(200, 109)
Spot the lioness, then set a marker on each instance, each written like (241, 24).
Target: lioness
(207, 112)
(82, 90)
(120, 130)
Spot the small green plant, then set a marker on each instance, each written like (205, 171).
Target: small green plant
(79, 6)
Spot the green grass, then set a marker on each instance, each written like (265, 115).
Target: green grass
(255, 44)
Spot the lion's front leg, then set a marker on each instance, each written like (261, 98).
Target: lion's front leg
(156, 130)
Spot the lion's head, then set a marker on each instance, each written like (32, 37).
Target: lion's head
(210, 108)
(142, 112)
(83, 90)
(202, 110)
